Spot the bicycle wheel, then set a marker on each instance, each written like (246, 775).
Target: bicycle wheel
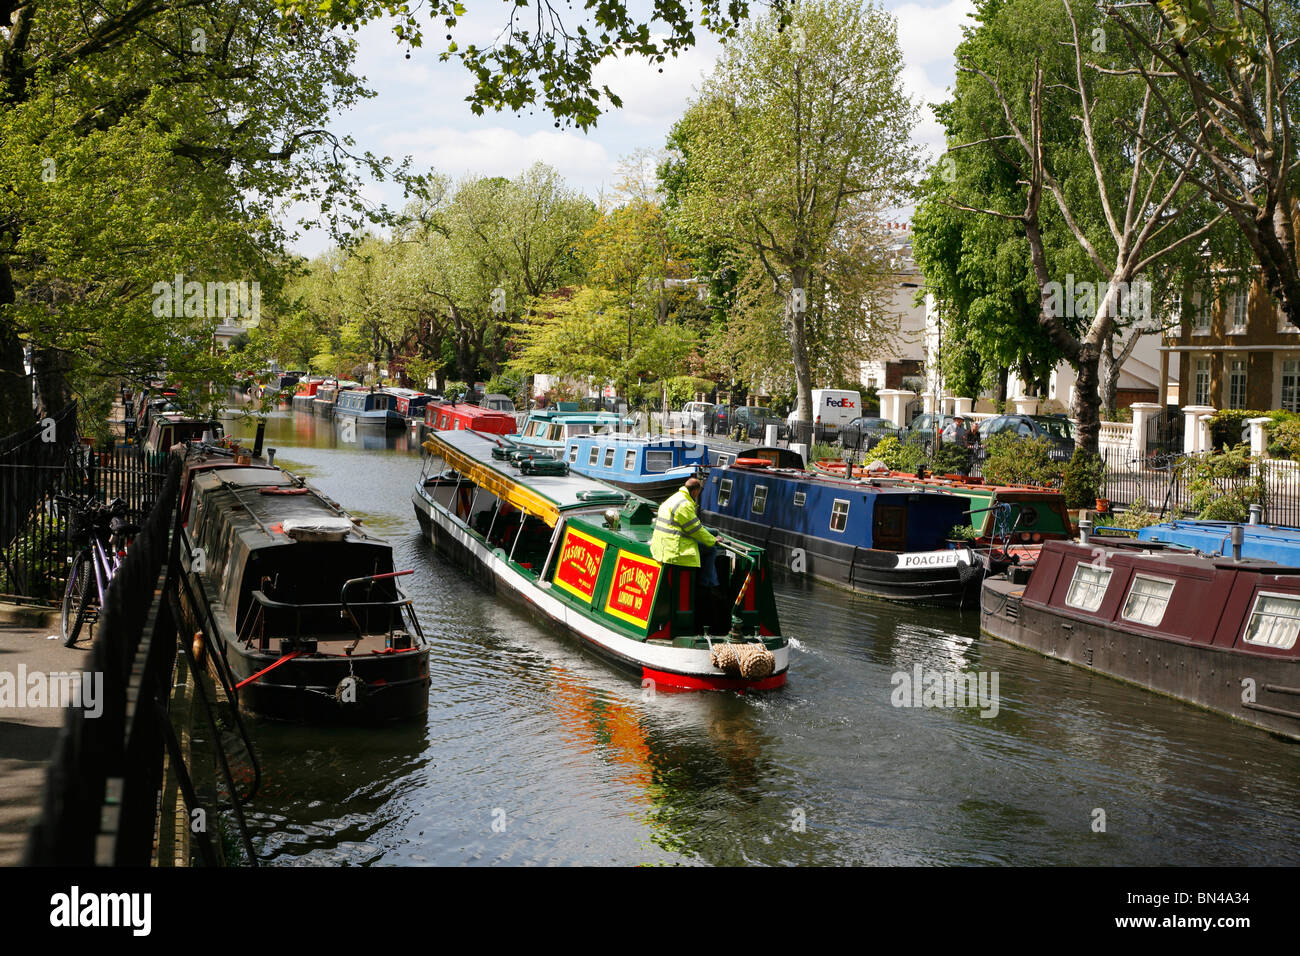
(76, 596)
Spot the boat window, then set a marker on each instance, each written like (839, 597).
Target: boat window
(1147, 599)
(556, 432)
(724, 492)
(595, 455)
(1274, 621)
(573, 452)
(839, 514)
(760, 500)
(724, 460)
(1088, 587)
(799, 498)
(658, 461)
(609, 457)
(629, 459)
(445, 420)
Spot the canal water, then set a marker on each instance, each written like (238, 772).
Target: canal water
(536, 753)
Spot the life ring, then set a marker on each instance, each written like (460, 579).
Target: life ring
(752, 463)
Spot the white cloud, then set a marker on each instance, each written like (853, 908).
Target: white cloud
(498, 151)
(930, 33)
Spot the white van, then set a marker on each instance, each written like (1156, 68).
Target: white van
(832, 407)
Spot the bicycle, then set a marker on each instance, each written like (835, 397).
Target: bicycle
(103, 534)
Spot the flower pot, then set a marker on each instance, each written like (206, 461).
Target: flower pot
(1103, 506)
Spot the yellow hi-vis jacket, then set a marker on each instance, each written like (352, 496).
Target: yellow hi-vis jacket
(677, 529)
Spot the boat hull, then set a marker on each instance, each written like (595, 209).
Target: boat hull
(864, 570)
(670, 668)
(1204, 675)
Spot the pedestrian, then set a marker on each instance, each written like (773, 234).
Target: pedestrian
(956, 433)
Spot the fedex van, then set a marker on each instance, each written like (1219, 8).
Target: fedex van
(832, 408)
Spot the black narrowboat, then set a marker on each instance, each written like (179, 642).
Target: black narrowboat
(300, 601)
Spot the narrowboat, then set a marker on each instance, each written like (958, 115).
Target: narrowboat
(551, 430)
(1258, 541)
(459, 416)
(372, 409)
(886, 541)
(410, 403)
(327, 394)
(300, 602)
(168, 429)
(576, 552)
(1212, 630)
(651, 468)
(305, 393)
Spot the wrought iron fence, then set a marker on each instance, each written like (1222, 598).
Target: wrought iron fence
(36, 466)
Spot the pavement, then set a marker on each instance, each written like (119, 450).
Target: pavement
(28, 734)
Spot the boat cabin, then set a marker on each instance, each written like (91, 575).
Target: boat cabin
(454, 416)
(1260, 542)
(168, 430)
(623, 458)
(553, 429)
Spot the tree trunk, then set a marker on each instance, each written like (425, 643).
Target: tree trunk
(799, 343)
(1000, 390)
(52, 390)
(1087, 402)
(15, 390)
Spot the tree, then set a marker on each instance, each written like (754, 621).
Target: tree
(1117, 211)
(1223, 78)
(795, 145)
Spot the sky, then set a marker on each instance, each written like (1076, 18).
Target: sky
(420, 109)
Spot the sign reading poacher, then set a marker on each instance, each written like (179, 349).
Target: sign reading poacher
(579, 564)
(934, 559)
(632, 592)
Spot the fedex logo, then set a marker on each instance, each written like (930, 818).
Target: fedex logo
(839, 402)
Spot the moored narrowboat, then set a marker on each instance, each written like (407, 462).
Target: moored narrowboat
(410, 403)
(327, 394)
(372, 409)
(885, 541)
(1218, 632)
(551, 430)
(576, 552)
(300, 602)
(305, 393)
(651, 468)
(462, 416)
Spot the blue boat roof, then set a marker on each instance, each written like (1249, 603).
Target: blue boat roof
(1261, 542)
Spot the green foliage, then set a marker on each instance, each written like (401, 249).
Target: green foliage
(888, 450)
(963, 532)
(455, 391)
(1019, 461)
(949, 459)
(821, 451)
(1137, 515)
(1228, 425)
(1222, 486)
(1084, 479)
(1285, 440)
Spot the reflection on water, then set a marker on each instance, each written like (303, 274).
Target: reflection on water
(535, 752)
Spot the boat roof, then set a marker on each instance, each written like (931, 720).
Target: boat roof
(546, 496)
(1259, 541)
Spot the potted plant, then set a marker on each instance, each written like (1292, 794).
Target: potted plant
(961, 535)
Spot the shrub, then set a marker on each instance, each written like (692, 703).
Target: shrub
(822, 450)
(1084, 478)
(1221, 486)
(1285, 441)
(1012, 460)
(949, 459)
(963, 532)
(888, 450)
(1137, 516)
(1228, 427)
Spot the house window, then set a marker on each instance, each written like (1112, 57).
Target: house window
(1237, 383)
(1290, 386)
(1201, 387)
(629, 460)
(839, 514)
(658, 461)
(759, 503)
(1088, 587)
(724, 492)
(1284, 324)
(1204, 309)
(609, 457)
(595, 456)
(1238, 303)
(1274, 621)
(1147, 600)
(799, 498)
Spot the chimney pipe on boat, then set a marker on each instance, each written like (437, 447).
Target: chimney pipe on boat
(1237, 535)
(257, 442)
(270, 456)
(1085, 526)
(1256, 514)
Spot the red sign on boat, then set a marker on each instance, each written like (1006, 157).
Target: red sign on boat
(632, 592)
(579, 564)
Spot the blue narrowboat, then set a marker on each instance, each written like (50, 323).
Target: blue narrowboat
(1259, 542)
(652, 468)
(551, 430)
(369, 408)
(886, 541)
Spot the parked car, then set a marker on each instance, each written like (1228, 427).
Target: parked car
(923, 429)
(1058, 432)
(696, 413)
(866, 433)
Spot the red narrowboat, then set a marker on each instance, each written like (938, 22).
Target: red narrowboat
(459, 416)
